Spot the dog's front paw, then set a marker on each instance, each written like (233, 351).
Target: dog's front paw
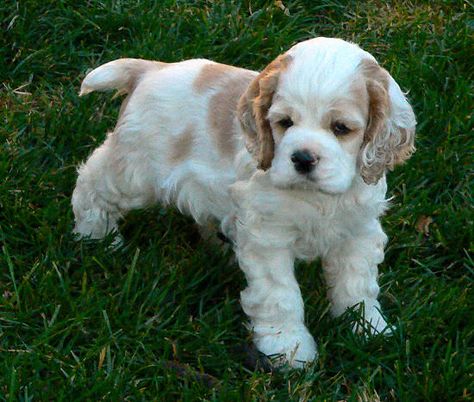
(372, 323)
(294, 346)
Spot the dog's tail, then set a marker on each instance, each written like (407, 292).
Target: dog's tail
(121, 74)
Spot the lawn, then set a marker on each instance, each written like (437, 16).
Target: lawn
(160, 319)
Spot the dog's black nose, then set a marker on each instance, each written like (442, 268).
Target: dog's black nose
(304, 161)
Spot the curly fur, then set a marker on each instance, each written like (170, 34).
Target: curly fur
(390, 135)
(208, 139)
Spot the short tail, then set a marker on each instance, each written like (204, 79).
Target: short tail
(121, 74)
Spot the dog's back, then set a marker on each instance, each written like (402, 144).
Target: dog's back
(176, 135)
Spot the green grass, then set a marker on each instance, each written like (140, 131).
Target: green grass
(79, 322)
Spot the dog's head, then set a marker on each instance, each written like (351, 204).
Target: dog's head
(323, 113)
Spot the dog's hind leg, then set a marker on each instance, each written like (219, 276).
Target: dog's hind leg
(110, 183)
(118, 176)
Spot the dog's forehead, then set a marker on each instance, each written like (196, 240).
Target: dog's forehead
(322, 67)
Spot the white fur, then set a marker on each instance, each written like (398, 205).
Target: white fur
(272, 217)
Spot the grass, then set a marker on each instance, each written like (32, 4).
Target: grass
(79, 322)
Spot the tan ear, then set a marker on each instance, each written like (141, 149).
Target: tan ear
(253, 112)
(390, 134)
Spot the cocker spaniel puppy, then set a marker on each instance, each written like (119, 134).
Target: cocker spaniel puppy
(290, 162)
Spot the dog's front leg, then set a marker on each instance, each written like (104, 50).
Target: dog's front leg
(273, 300)
(351, 274)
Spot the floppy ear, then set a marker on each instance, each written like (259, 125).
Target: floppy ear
(390, 133)
(253, 109)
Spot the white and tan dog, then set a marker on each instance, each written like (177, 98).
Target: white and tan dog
(291, 162)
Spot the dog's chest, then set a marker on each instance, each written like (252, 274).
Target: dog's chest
(311, 223)
(319, 226)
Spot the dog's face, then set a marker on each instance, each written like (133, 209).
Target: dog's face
(323, 113)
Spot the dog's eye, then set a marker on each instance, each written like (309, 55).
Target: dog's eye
(285, 123)
(340, 129)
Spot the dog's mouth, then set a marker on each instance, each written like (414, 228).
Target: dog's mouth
(306, 182)
(329, 183)
(309, 183)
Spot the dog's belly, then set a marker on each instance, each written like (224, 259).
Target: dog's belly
(199, 192)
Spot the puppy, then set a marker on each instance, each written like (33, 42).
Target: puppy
(290, 162)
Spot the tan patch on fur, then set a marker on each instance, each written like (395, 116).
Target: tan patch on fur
(182, 145)
(253, 111)
(379, 108)
(210, 75)
(377, 80)
(356, 103)
(222, 107)
(360, 95)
